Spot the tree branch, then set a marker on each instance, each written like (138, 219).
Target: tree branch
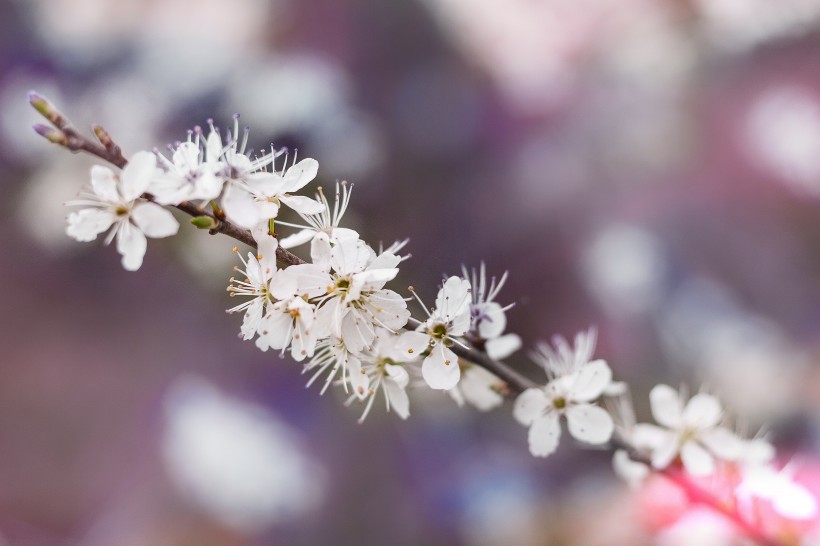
(64, 134)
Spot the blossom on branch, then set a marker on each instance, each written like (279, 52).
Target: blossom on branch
(574, 383)
(115, 200)
(448, 320)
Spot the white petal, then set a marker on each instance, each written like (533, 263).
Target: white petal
(590, 424)
(757, 452)
(440, 369)
(283, 285)
(241, 207)
(544, 435)
(398, 374)
(529, 405)
(666, 406)
(356, 330)
(399, 401)
(154, 221)
(703, 411)
(632, 472)
(794, 501)
(722, 442)
(313, 280)
(302, 204)
(666, 450)
(252, 318)
(208, 185)
(137, 175)
(388, 308)
(453, 299)
(275, 329)
(104, 184)
(349, 256)
(411, 344)
(696, 460)
(357, 377)
(186, 156)
(502, 347)
(298, 238)
(649, 437)
(493, 320)
(477, 388)
(131, 244)
(369, 280)
(266, 245)
(590, 381)
(299, 175)
(84, 225)
(213, 147)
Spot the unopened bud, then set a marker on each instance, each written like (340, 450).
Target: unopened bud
(203, 222)
(51, 134)
(46, 109)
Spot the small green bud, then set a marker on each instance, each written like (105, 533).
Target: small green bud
(203, 222)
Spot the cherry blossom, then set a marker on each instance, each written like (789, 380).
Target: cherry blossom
(448, 320)
(690, 431)
(570, 396)
(115, 201)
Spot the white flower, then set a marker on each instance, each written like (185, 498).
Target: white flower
(487, 318)
(325, 222)
(479, 388)
(291, 322)
(691, 431)
(384, 370)
(263, 283)
(348, 284)
(192, 175)
(115, 201)
(449, 319)
(255, 195)
(571, 396)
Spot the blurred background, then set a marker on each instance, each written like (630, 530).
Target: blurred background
(649, 167)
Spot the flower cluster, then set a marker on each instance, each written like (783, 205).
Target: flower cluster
(333, 311)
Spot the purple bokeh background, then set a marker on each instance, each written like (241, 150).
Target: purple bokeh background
(651, 168)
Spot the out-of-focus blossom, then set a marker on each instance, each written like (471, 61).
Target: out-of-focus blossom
(236, 460)
(479, 388)
(699, 526)
(743, 24)
(782, 133)
(690, 431)
(787, 497)
(747, 358)
(624, 267)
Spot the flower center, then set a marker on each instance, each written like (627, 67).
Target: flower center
(439, 331)
(560, 402)
(121, 211)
